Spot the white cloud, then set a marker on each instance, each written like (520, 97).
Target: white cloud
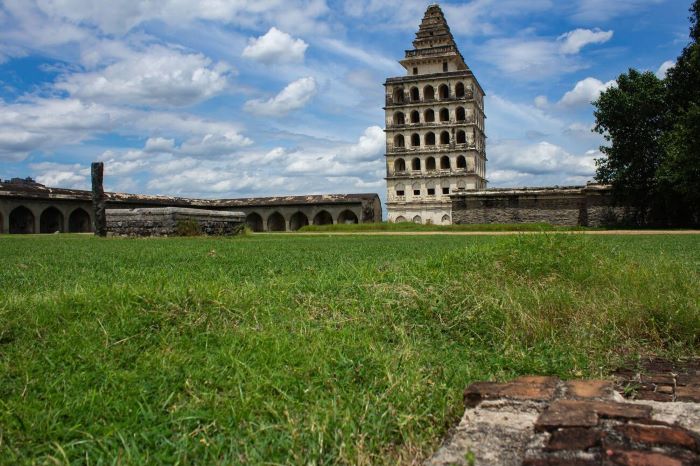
(604, 10)
(58, 174)
(373, 59)
(275, 47)
(585, 92)
(158, 144)
(293, 97)
(573, 41)
(663, 69)
(159, 76)
(541, 102)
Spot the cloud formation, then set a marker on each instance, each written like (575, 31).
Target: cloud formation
(585, 92)
(293, 97)
(275, 47)
(573, 41)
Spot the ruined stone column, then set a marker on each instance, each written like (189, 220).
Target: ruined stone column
(98, 199)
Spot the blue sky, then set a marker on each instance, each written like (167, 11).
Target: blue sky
(238, 98)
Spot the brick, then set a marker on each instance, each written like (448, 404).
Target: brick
(654, 396)
(480, 391)
(688, 379)
(665, 389)
(688, 393)
(611, 409)
(538, 380)
(589, 389)
(572, 439)
(566, 413)
(659, 435)
(642, 458)
(657, 379)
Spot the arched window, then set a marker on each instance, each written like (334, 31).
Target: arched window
(415, 164)
(461, 116)
(444, 137)
(415, 94)
(399, 166)
(298, 221)
(51, 221)
(400, 219)
(21, 221)
(276, 222)
(461, 137)
(444, 92)
(399, 141)
(398, 96)
(428, 93)
(444, 162)
(417, 219)
(430, 139)
(399, 118)
(444, 114)
(347, 216)
(431, 188)
(416, 189)
(400, 190)
(445, 219)
(429, 116)
(415, 140)
(459, 90)
(430, 163)
(323, 218)
(461, 162)
(254, 222)
(79, 221)
(415, 117)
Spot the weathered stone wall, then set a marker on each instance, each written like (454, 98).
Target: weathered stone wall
(165, 221)
(572, 206)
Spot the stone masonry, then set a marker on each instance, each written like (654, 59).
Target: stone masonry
(542, 421)
(166, 221)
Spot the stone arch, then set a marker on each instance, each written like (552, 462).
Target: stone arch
(461, 162)
(430, 139)
(347, 216)
(323, 218)
(79, 221)
(417, 219)
(400, 190)
(461, 185)
(415, 140)
(444, 114)
(461, 137)
(461, 114)
(429, 115)
(445, 219)
(444, 92)
(415, 164)
(428, 92)
(399, 165)
(254, 221)
(444, 162)
(21, 221)
(415, 116)
(276, 222)
(415, 189)
(51, 221)
(399, 118)
(415, 94)
(430, 163)
(398, 96)
(400, 219)
(459, 90)
(444, 137)
(298, 220)
(399, 141)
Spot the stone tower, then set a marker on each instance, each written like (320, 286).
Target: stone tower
(435, 140)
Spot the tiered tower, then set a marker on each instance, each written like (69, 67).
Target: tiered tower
(435, 140)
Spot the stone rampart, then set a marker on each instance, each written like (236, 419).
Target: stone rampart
(168, 221)
(590, 205)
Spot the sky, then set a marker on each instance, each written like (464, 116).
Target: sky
(242, 98)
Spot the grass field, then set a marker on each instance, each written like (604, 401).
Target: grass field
(414, 227)
(316, 350)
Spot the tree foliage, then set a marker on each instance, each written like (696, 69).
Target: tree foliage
(653, 127)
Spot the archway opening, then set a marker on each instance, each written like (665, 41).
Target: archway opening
(461, 115)
(415, 140)
(461, 137)
(399, 118)
(444, 137)
(428, 93)
(417, 219)
(429, 115)
(254, 222)
(323, 218)
(445, 219)
(51, 221)
(347, 217)
(79, 221)
(461, 162)
(444, 115)
(275, 222)
(399, 141)
(398, 96)
(415, 117)
(444, 92)
(21, 221)
(459, 90)
(430, 163)
(400, 219)
(399, 165)
(415, 94)
(430, 139)
(415, 164)
(298, 221)
(445, 162)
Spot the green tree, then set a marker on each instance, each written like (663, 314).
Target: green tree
(632, 117)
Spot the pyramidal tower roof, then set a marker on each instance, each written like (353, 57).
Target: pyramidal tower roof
(434, 41)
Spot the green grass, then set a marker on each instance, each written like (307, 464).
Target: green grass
(315, 350)
(413, 227)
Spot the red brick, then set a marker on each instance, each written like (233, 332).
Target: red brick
(688, 379)
(642, 458)
(567, 413)
(572, 439)
(589, 389)
(538, 380)
(654, 396)
(665, 389)
(658, 379)
(621, 410)
(659, 435)
(480, 391)
(688, 393)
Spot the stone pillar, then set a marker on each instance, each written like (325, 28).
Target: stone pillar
(98, 199)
